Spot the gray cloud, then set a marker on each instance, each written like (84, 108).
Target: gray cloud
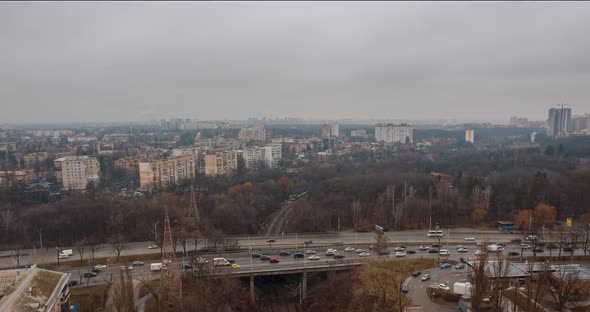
(89, 61)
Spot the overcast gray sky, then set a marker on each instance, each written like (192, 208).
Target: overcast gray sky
(92, 61)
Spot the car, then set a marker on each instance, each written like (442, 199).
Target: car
(444, 252)
(435, 245)
(187, 266)
(137, 263)
(166, 261)
(478, 252)
(405, 288)
(89, 274)
(202, 260)
(364, 254)
(460, 246)
(284, 253)
(230, 260)
(539, 250)
(235, 266)
(423, 247)
(308, 242)
(100, 266)
(411, 252)
(72, 283)
(462, 250)
(469, 238)
(400, 254)
(264, 257)
(416, 273)
(402, 246)
(274, 260)
(256, 255)
(349, 249)
(153, 247)
(330, 253)
(432, 250)
(568, 249)
(444, 287)
(479, 244)
(531, 237)
(95, 270)
(525, 246)
(358, 250)
(298, 255)
(459, 266)
(425, 277)
(126, 268)
(338, 256)
(513, 253)
(399, 249)
(446, 266)
(62, 256)
(314, 257)
(311, 252)
(271, 241)
(552, 246)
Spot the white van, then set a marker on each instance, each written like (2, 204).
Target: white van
(157, 266)
(220, 262)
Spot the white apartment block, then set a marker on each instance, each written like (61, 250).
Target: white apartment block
(221, 162)
(257, 133)
(77, 171)
(162, 173)
(257, 156)
(392, 133)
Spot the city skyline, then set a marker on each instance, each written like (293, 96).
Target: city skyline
(96, 62)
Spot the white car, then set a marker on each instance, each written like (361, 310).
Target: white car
(478, 252)
(364, 254)
(311, 252)
(359, 250)
(525, 246)
(444, 252)
(444, 287)
(349, 249)
(423, 247)
(100, 266)
(469, 238)
(332, 250)
(153, 247)
(400, 254)
(314, 257)
(62, 256)
(399, 249)
(462, 250)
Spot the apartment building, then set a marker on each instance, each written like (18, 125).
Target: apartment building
(268, 156)
(30, 160)
(221, 162)
(162, 173)
(257, 133)
(77, 171)
(392, 133)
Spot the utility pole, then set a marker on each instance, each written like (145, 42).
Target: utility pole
(430, 206)
(41, 238)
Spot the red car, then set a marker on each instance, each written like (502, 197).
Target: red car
(270, 241)
(274, 260)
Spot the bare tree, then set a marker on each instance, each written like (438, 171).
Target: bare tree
(81, 247)
(16, 252)
(566, 286)
(118, 243)
(356, 210)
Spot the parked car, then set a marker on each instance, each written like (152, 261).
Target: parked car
(284, 253)
(137, 263)
(444, 287)
(89, 274)
(274, 260)
(446, 266)
(264, 257)
(338, 256)
(416, 273)
(425, 277)
(314, 257)
(298, 255)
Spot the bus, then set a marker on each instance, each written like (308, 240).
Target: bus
(435, 233)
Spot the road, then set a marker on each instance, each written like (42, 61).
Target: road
(280, 219)
(417, 288)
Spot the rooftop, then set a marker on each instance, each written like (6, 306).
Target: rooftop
(30, 289)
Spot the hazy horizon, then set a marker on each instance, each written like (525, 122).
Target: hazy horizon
(94, 62)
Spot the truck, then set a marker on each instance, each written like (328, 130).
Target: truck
(157, 266)
(220, 262)
(462, 288)
(67, 252)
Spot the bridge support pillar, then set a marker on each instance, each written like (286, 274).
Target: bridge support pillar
(252, 290)
(304, 285)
